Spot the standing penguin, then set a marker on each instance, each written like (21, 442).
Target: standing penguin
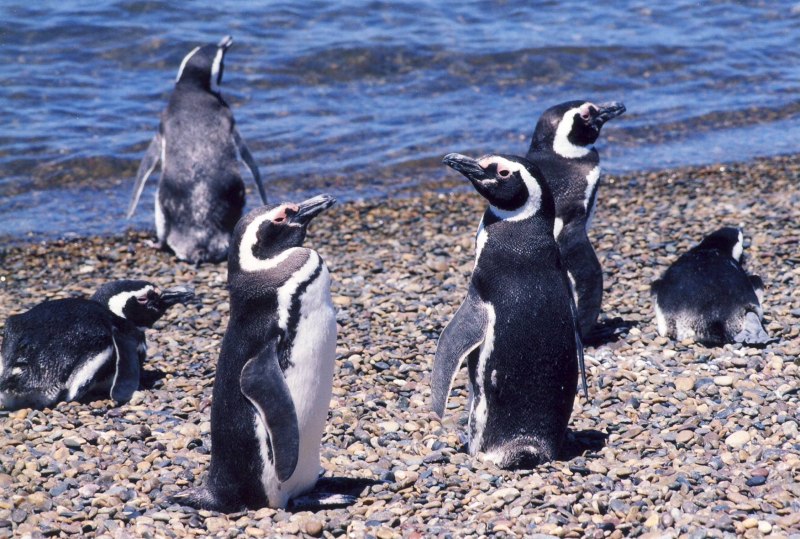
(706, 294)
(517, 328)
(200, 193)
(62, 349)
(563, 148)
(275, 370)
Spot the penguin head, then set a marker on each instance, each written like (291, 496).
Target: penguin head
(572, 127)
(203, 66)
(508, 182)
(728, 240)
(268, 231)
(140, 302)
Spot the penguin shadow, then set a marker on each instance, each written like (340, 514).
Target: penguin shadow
(578, 442)
(332, 493)
(608, 331)
(149, 378)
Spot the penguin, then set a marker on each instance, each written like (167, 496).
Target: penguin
(60, 350)
(707, 295)
(275, 369)
(562, 147)
(517, 327)
(200, 194)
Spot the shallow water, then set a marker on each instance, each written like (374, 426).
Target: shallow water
(358, 98)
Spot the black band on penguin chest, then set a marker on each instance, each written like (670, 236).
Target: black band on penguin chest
(293, 321)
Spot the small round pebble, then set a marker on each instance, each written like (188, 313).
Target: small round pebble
(674, 439)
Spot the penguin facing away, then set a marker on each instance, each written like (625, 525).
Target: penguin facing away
(60, 350)
(562, 147)
(517, 327)
(707, 295)
(275, 370)
(200, 194)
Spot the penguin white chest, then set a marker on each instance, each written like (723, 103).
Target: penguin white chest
(309, 318)
(310, 371)
(590, 196)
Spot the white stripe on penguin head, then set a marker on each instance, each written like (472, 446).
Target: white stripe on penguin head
(215, 67)
(247, 260)
(561, 144)
(738, 248)
(534, 200)
(117, 302)
(184, 62)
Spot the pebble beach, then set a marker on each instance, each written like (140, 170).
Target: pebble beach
(676, 439)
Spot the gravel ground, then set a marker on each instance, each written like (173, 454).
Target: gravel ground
(676, 439)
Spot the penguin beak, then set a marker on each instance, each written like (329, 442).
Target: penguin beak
(467, 166)
(176, 294)
(308, 209)
(608, 111)
(225, 43)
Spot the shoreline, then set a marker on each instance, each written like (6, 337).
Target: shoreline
(675, 438)
(396, 184)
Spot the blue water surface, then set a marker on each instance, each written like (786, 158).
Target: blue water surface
(361, 97)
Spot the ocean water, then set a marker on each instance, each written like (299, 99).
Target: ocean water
(362, 98)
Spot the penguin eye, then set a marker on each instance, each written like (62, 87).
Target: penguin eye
(279, 220)
(141, 299)
(503, 173)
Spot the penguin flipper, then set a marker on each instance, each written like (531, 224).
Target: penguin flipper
(146, 167)
(752, 331)
(465, 332)
(247, 157)
(579, 346)
(263, 383)
(126, 375)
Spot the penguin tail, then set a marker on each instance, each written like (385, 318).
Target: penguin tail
(522, 454)
(202, 498)
(752, 332)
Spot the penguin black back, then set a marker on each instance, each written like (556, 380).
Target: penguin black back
(562, 146)
(200, 195)
(62, 349)
(517, 327)
(707, 295)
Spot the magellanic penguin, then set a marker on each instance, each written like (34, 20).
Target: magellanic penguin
(200, 194)
(517, 328)
(563, 148)
(275, 370)
(62, 349)
(708, 296)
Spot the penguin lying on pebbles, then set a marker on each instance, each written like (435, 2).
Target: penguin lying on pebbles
(200, 193)
(707, 295)
(275, 371)
(562, 147)
(517, 328)
(61, 349)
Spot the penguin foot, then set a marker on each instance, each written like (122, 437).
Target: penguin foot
(201, 498)
(752, 332)
(332, 493)
(319, 501)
